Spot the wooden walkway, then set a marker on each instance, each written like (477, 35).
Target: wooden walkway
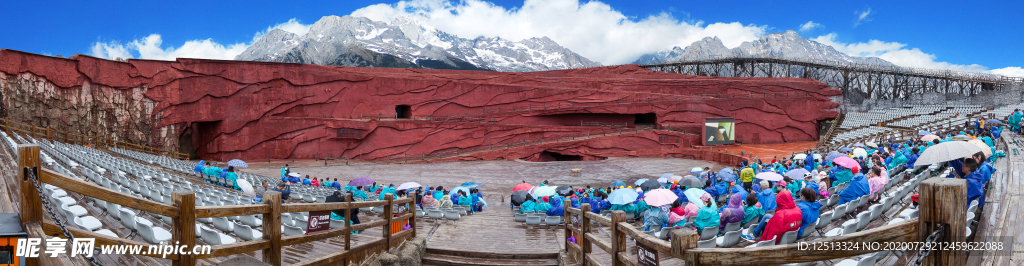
(1002, 217)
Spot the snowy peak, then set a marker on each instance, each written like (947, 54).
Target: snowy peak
(788, 44)
(408, 42)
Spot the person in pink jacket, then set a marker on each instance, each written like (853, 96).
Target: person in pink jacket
(787, 218)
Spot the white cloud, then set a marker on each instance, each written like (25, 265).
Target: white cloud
(111, 50)
(1009, 71)
(810, 25)
(151, 47)
(293, 26)
(900, 55)
(592, 29)
(862, 16)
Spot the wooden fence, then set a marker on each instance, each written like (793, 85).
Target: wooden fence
(90, 140)
(941, 203)
(184, 213)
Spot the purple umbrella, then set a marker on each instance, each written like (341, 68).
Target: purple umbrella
(361, 181)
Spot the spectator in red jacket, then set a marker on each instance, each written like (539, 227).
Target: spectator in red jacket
(787, 217)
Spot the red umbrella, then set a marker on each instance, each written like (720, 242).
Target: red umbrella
(522, 186)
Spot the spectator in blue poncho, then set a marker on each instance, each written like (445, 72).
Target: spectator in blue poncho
(766, 197)
(336, 184)
(975, 182)
(557, 208)
(858, 187)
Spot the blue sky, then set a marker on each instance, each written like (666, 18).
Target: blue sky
(977, 36)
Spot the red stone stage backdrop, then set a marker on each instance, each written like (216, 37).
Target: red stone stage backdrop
(222, 110)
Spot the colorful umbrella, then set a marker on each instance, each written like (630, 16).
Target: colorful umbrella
(833, 155)
(361, 181)
(817, 156)
(519, 197)
(472, 185)
(946, 151)
(691, 181)
(770, 176)
(727, 176)
(846, 162)
(238, 163)
(246, 187)
(858, 144)
(563, 190)
(981, 144)
(455, 190)
(522, 186)
(649, 185)
(961, 137)
(797, 173)
(294, 175)
(640, 181)
(622, 196)
(696, 170)
(860, 152)
(618, 183)
(408, 185)
(924, 133)
(993, 121)
(675, 178)
(663, 180)
(871, 144)
(660, 197)
(846, 149)
(800, 157)
(543, 191)
(929, 137)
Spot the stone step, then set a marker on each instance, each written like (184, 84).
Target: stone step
(450, 260)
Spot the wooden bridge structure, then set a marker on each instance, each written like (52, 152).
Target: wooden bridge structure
(871, 81)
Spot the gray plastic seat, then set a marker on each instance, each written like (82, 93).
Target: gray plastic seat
(770, 242)
(530, 220)
(709, 232)
(152, 234)
(553, 220)
(823, 220)
(337, 224)
(222, 224)
(788, 237)
(732, 227)
(709, 243)
(291, 230)
(214, 238)
(250, 220)
(862, 220)
(247, 233)
(848, 227)
(731, 238)
(454, 216)
(438, 215)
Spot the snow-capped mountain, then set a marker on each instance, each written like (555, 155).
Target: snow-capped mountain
(406, 42)
(787, 44)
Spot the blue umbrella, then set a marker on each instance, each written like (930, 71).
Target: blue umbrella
(696, 171)
(993, 121)
(238, 163)
(641, 181)
(859, 145)
(833, 155)
(618, 183)
(472, 185)
(727, 176)
(665, 175)
(846, 149)
(199, 167)
(924, 133)
(797, 174)
(623, 196)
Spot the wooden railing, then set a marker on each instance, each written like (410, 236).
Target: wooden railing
(92, 141)
(184, 214)
(941, 202)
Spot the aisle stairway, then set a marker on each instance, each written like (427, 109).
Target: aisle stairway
(469, 258)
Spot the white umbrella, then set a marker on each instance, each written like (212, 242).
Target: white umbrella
(294, 175)
(860, 152)
(246, 187)
(408, 185)
(981, 144)
(800, 157)
(947, 151)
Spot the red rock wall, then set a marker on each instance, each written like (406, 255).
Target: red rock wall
(255, 110)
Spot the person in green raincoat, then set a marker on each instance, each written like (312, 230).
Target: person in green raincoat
(641, 207)
(627, 208)
(360, 194)
(843, 175)
(467, 201)
(542, 206)
(791, 184)
(1015, 120)
(898, 160)
(752, 210)
(231, 177)
(528, 205)
(707, 216)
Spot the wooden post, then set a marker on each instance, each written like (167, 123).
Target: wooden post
(31, 204)
(348, 222)
(943, 201)
(183, 230)
(387, 216)
(618, 237)
(47, 133)
(584, 230)
(272, 228)
(7, 126)
(567, 217)
(683, 239)
(412, 209)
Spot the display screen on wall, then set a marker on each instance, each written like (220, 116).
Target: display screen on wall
(718, 131)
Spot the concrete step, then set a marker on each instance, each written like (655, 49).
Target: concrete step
(451, 260)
